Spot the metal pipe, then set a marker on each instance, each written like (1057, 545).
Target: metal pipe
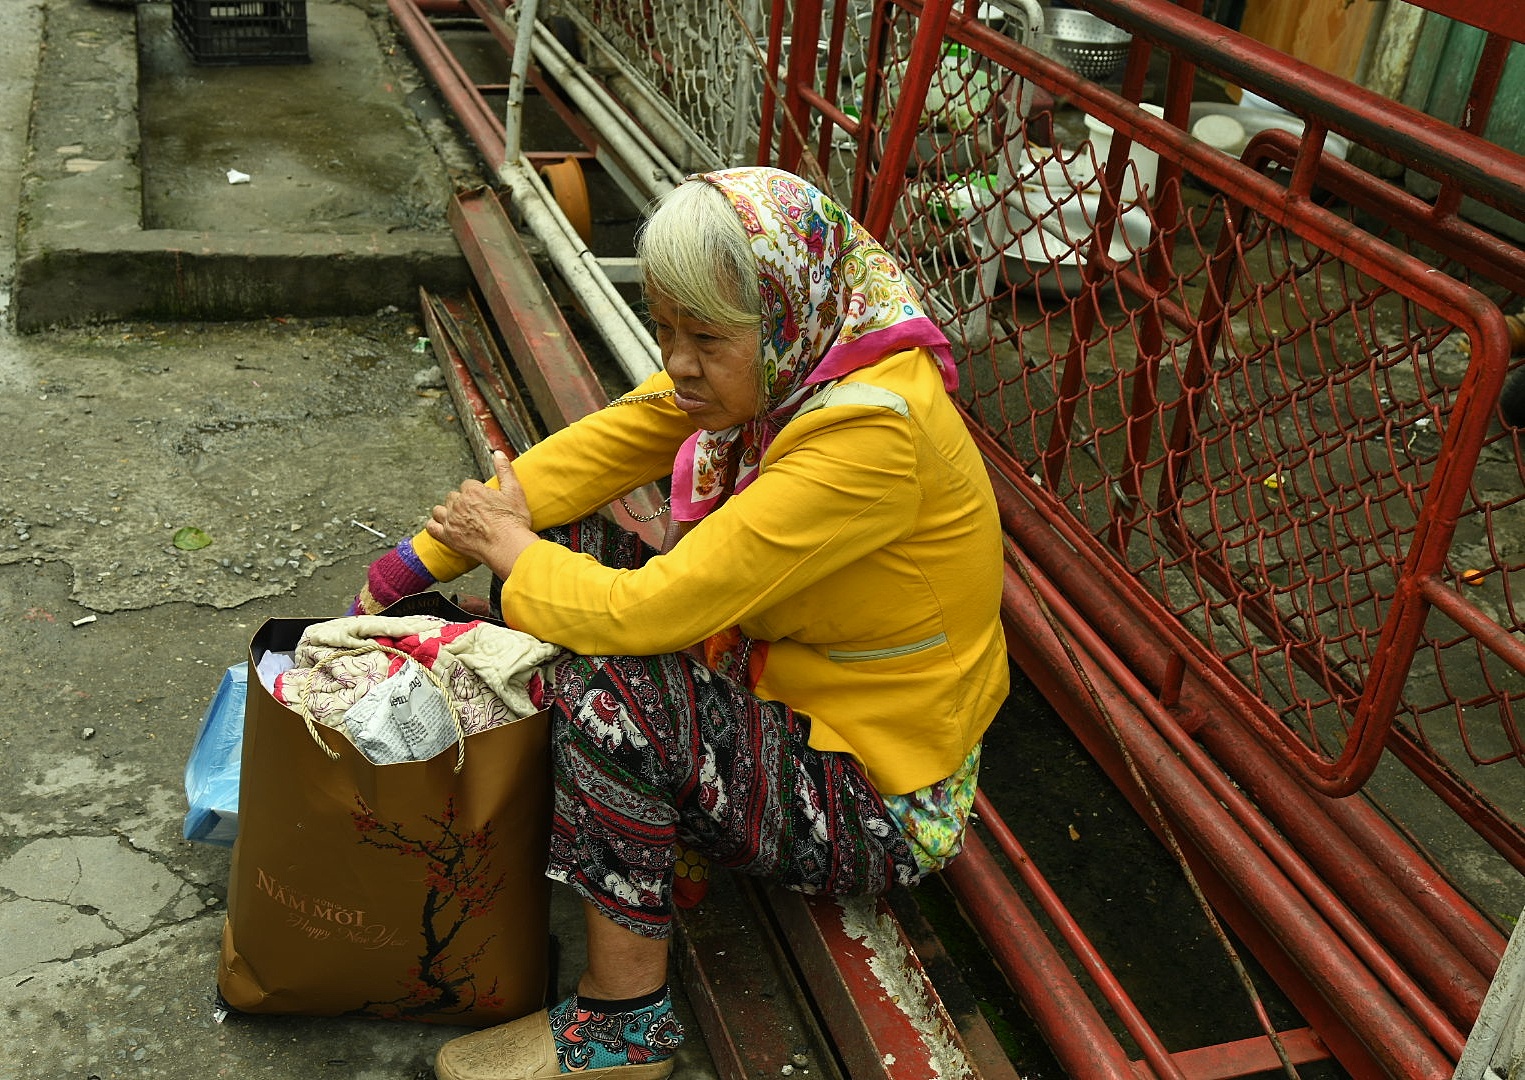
(926, 56)
(1383, 904)
(647, 166)
(1045, 663)
(513, 112)
(1363, 1003)
(1393, 887)
(667, 133)
(747, 76)
(628, 154)
(1309, 921)
(578, 101)
(1436, 932)
(1074, 1030)
(805, 30)
(620, 328)
(655, 117)
(1111, 989)
(454, 85)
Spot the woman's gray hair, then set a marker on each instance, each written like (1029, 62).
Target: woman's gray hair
(695, 253)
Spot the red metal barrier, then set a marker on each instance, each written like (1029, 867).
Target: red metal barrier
(1236, 409)
(1280, 215)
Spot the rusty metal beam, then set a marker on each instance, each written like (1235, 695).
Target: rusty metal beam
(560, 379)
(483, 432)
(745, 993)
(482, 125)
(468, 333)
(883, 1014)
(985, 1051)
(554, 368)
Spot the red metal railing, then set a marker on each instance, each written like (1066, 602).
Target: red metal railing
(1181, 297)
(1243, 419)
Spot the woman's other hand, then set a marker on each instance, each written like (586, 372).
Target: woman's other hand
(491, 525)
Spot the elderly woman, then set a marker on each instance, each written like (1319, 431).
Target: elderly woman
(838, 554)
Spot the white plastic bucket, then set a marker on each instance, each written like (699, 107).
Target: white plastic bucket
(1144, 163)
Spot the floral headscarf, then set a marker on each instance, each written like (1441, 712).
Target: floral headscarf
(833, 301)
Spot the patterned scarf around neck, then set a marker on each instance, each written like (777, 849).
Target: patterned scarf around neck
(833, 301)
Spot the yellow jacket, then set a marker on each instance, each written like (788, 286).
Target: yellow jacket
(866, 552)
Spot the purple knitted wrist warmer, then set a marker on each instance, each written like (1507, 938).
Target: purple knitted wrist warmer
(396, 574)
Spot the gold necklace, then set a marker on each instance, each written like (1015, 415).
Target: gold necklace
(632, 399)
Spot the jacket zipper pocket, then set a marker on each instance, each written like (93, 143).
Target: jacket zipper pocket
(854, 656)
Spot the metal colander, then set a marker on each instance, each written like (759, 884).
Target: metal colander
(1091, 46)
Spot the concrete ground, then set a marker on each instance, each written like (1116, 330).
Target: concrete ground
(290, 442)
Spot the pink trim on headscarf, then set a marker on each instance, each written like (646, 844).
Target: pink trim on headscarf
(861, 352)
(683, 474)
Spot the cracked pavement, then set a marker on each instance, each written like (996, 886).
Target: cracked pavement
(301, 448)
(109, 920)
(290, 443)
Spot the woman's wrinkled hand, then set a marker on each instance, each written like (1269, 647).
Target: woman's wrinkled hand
(491, 525)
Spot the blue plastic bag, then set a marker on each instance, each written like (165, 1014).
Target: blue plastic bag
(211, 773)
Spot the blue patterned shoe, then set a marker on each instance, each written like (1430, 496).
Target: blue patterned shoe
(635, 1045)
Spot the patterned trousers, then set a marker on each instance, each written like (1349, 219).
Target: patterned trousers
(649, 750)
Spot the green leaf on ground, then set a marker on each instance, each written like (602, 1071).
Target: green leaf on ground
(191, 538)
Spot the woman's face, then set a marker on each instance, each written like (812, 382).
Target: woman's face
(713, 369)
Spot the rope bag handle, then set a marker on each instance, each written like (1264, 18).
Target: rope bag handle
(439, 684)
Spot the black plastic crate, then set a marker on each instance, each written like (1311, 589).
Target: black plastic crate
(243, 31)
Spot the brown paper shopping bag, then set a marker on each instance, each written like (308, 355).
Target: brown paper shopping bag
(408, 891)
